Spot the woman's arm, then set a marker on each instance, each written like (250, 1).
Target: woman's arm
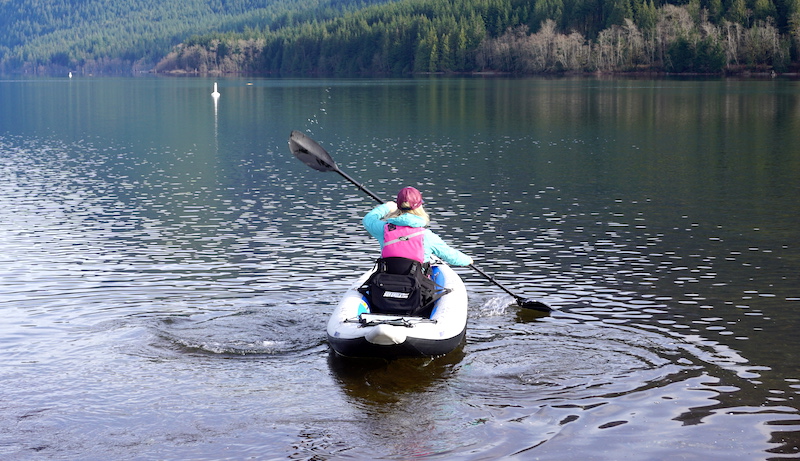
(373, 221)
(445, 252)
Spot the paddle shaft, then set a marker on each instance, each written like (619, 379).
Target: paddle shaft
(492, 279)
(357, 184)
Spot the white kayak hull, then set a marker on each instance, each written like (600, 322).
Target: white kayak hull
(355, 332)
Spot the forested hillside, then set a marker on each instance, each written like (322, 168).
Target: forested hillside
(518, 36)
(126, 35)
(380, 37)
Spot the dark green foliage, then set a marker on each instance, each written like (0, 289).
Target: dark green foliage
(704, 56)
(98, 34)
(389, 37)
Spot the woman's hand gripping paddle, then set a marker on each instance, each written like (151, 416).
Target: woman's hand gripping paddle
(312, 154)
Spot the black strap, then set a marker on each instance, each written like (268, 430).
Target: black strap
(438, 293)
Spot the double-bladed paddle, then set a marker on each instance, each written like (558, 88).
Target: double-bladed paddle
(312, 154)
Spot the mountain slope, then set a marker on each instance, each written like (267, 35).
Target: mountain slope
(515, 36)
(372, 37)
(108, 35)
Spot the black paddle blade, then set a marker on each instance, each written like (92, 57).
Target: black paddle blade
(310, 153)
(529, 303)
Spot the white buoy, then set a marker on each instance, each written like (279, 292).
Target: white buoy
(215, 94)
(70, 75)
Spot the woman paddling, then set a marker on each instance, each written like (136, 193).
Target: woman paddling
(402, 224)
(401, 284)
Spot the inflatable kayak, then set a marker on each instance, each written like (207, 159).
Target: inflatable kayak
(354, 331)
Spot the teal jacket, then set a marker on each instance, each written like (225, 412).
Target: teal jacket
(434, 245)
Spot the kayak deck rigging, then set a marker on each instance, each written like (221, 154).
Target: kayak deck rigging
(371, 320)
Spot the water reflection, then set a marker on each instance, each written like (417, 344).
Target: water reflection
(404, 404)
(215, 97)
(379, 383)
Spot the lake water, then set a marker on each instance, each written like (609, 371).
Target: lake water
(167, 268)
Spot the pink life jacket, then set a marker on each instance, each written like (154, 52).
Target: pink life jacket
(404, 242)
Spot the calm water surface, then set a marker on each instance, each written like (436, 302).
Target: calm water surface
(167, 268)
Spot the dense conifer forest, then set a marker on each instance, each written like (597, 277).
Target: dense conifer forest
(380, 37)
(121, 36)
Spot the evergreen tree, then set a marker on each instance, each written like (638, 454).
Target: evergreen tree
(547, 9)
(715, 9)
(647, 15)
(736, 12)
(618, 11)
(764, 9)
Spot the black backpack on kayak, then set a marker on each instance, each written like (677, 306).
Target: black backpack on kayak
(401, 286)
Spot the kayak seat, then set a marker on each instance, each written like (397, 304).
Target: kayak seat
(399, 286)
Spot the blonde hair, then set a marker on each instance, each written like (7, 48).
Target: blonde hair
(419, 211)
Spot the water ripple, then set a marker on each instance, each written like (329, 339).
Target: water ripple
(173, 271)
